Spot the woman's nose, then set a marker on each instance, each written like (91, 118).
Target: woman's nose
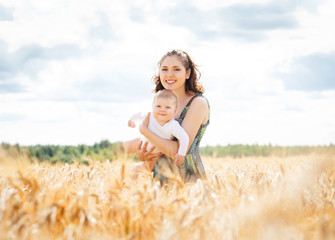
(170, 73)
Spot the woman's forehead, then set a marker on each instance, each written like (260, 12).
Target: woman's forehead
(171, 61)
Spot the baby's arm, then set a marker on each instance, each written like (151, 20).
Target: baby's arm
(136, 117)
(130, 146)
(183, 138)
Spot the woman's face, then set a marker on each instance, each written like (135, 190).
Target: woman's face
(172, 73)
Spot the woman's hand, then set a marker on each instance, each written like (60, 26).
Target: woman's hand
(144, 124)
(144, 155)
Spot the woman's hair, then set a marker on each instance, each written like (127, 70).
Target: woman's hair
(192, 83)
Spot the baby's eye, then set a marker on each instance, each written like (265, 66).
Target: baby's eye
(164, 69)
(177, 69)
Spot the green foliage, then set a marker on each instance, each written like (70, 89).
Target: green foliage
(66, 154)
(107, 150)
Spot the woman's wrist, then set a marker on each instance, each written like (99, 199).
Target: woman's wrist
(143, 129)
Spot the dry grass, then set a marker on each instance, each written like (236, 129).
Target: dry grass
(250, 198)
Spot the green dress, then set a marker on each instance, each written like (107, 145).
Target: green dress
(192, 168)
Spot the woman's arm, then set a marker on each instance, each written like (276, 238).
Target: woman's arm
(195, 116)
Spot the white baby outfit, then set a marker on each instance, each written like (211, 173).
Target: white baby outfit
(169, 130)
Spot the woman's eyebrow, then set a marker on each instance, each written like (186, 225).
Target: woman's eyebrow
(177, 66)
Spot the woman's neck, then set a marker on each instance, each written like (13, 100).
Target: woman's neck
(183, 98)
(181, 94)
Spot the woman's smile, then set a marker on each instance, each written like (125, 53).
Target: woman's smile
(170, 81)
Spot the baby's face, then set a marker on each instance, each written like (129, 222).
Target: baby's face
(164, 109)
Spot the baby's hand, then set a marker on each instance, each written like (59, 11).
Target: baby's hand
(131, 124)
(179, 159)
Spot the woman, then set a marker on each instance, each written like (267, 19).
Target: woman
(178, 73)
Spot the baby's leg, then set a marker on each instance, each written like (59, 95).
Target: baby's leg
(131, 145)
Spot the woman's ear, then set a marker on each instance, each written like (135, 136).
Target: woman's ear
(188, 73)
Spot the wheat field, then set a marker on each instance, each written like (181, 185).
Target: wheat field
(246, 198)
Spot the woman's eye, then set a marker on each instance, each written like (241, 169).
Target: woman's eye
(177, 69)
(164, 69)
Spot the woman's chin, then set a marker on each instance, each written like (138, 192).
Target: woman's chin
(169, 87)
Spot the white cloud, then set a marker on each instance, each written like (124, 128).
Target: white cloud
(212, 4)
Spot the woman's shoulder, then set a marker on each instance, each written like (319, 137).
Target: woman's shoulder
(201, 101)
(198, 110)
(199, 106)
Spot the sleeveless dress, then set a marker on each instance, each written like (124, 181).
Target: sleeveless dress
(192, 168)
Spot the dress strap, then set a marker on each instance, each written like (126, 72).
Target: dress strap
(183, 113)
(191, 100)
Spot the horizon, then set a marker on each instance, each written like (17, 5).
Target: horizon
(201, 146)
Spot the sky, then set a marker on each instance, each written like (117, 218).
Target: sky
(73, 71)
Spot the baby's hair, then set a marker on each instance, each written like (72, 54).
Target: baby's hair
(167, 94)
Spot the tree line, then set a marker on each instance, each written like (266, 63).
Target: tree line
(255, 150)
(67, 154)
(107, 150)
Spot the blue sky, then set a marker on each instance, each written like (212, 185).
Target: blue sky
(72, 72)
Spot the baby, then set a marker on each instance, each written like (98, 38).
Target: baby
(161, 122)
